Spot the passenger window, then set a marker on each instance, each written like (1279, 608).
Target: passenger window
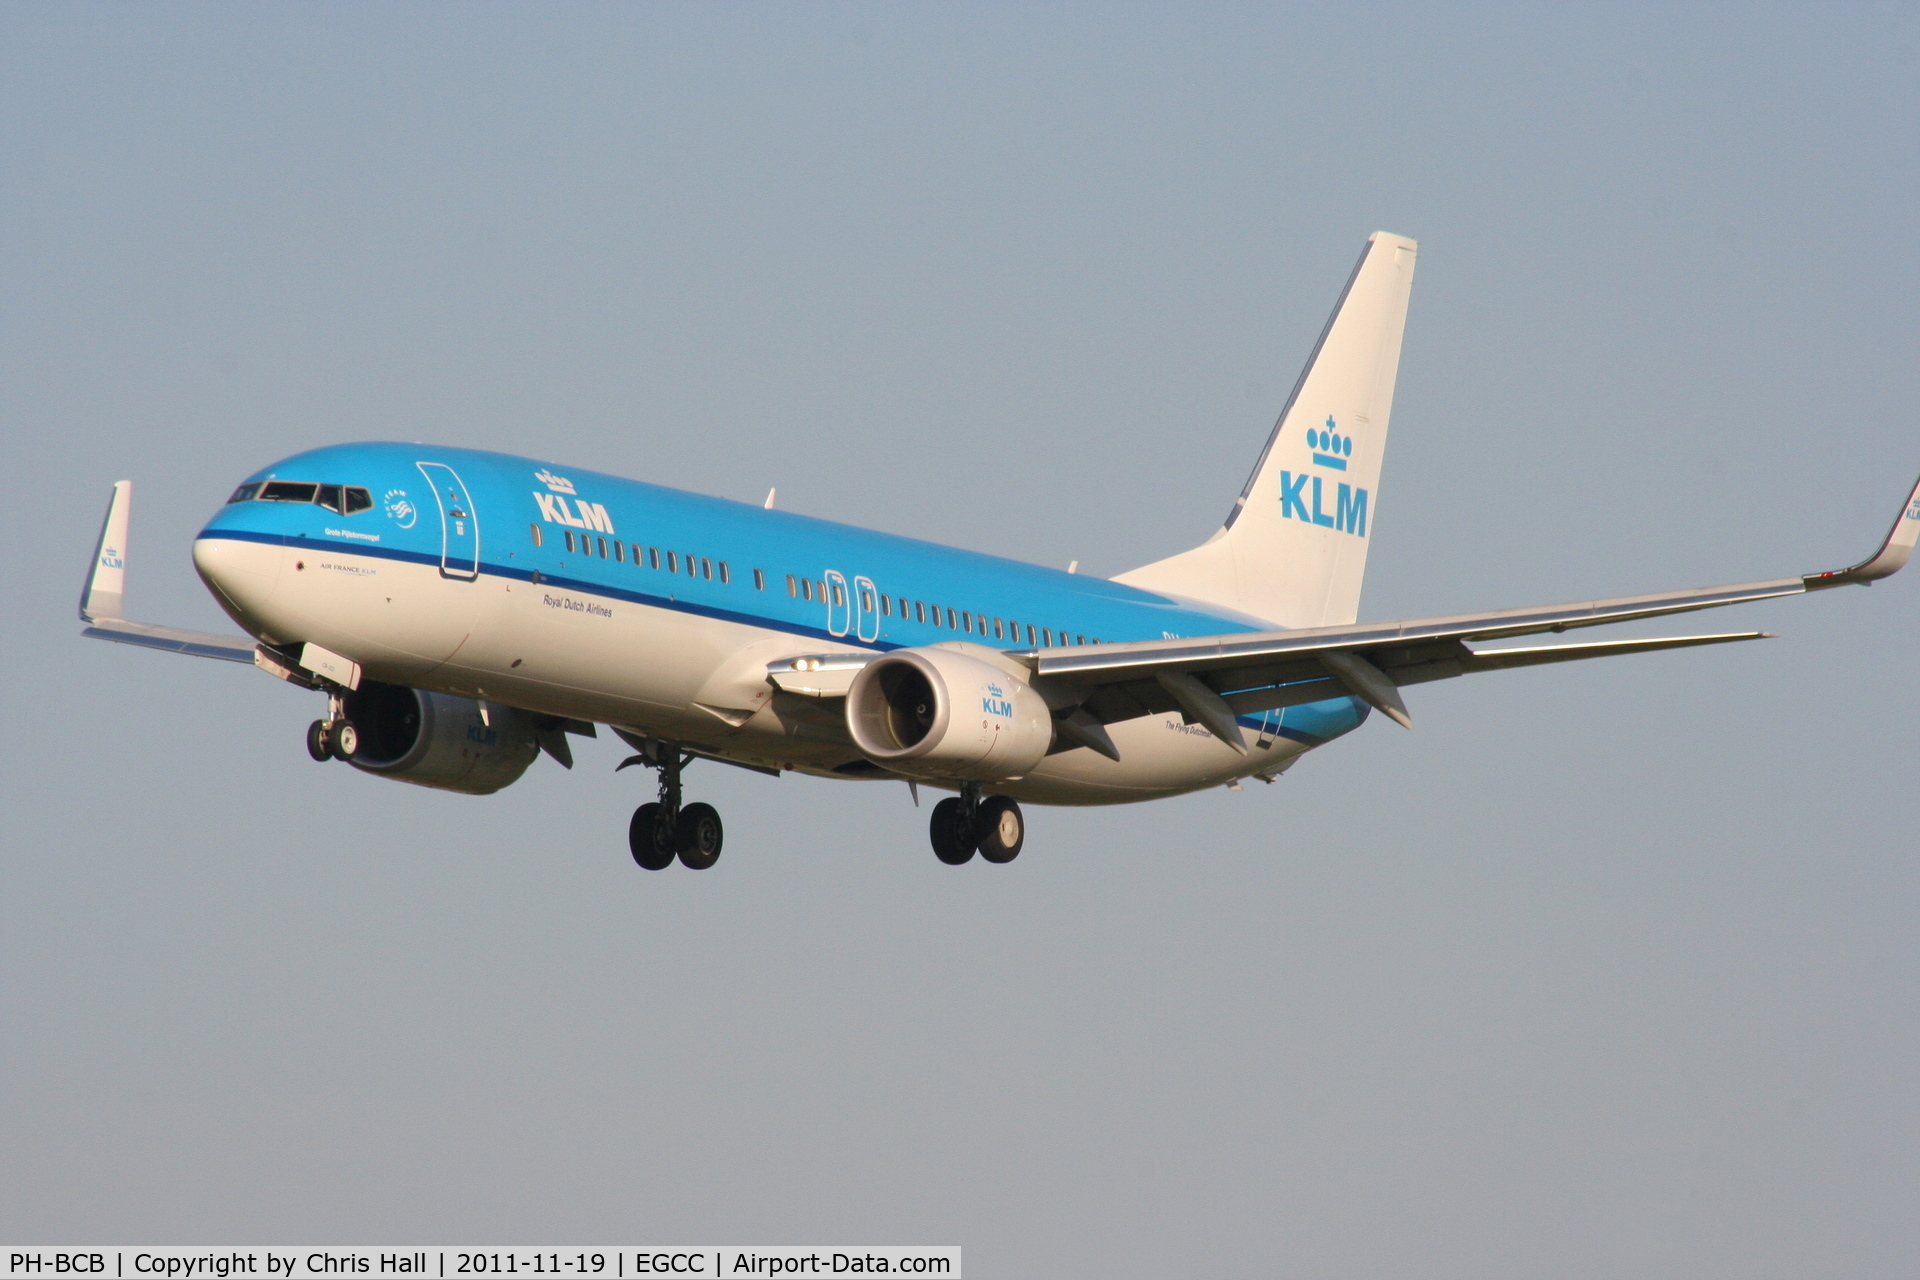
(866, 600)
(759, 580)
(1046, 638)
(330, 499)
(706, 568)
(673, 563)
(806, 588)
(653, 557)
(886, 606)
(286, 491)
(996, 628)
(819, 590)
(966, 622)
(569, 537)
(793, 587)
(245, 493)
(603, 547)
(949, 619)
(693, 570)
(726, 574)
(919, 612)
(535, 529)
(619, 552)
(839, 596)
(1079, 639)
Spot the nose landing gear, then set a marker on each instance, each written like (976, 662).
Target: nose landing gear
(334, 738)
(661, 831)
(964, 824)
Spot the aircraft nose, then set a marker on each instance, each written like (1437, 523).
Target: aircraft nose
(241, 575)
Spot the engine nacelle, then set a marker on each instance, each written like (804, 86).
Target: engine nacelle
(943, 713)
(439, 740)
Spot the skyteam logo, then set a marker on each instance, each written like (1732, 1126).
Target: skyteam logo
(1331, 450)
(399, 509)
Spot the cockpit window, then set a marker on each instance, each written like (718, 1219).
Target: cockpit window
(345, 499)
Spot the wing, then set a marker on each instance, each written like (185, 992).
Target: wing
(1212, 679)
(101, 599)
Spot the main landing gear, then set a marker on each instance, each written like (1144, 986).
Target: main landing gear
(964, 824)
(667, 829)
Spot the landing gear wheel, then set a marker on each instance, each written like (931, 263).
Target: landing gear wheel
(317, 745)
(698, 835)
(952, 834)
(344, 739)
(643, 838)
(1000, 829)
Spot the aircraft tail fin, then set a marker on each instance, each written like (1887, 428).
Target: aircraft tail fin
(1294, 548)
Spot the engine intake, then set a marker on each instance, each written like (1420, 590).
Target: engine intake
(439, 740)
(942, 712)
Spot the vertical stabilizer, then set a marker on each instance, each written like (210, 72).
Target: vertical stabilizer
(1294, 548)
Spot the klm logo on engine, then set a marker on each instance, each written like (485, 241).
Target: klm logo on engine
(996, 702)
(1304, 496)
(581, 514)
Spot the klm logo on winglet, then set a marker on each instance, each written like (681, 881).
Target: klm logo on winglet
(555, 510)
(1330, 450)
(110, 559)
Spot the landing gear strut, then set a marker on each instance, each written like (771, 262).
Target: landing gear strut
(964, 824)
(666, 829)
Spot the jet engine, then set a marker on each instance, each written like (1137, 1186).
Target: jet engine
(439, 740)
(943, 713)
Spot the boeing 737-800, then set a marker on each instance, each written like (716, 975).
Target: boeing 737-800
(462, 612)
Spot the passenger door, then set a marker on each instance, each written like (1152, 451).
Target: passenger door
(459, 526)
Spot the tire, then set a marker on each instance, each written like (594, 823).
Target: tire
(698, 834)
(951, 834)
(317, 745)
(344, 738)
(1000, 829)
(643, 839)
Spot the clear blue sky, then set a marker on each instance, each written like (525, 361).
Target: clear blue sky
(1602, 970)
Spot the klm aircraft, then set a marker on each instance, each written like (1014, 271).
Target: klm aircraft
(463, 612)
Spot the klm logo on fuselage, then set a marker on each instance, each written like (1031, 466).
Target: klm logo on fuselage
(1330, 450)
(996, 702)
(554, 508)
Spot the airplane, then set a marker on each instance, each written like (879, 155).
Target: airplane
(463, 612)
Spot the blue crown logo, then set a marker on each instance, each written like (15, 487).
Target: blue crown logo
(1330, 448)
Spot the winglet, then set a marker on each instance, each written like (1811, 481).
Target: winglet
(106, 584)
(1885, 562)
